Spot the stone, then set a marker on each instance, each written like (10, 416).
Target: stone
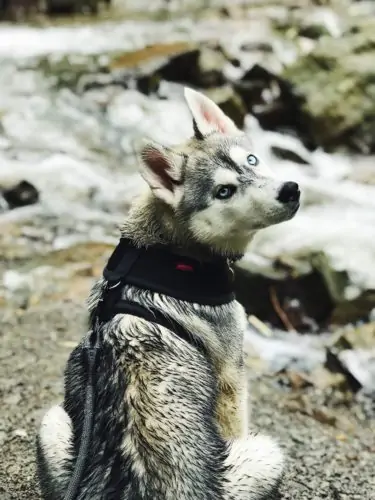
(274, 103)
(311, 22)
(67, 70)
(336, 83)
(20, 433)
(349, 311)
(351, 352)
(324, 416)
(298, 380)
(147, 66)
(72, 6)
(20, 195)
(181, 62)
(14, 9)
(335, 365)
(287, 299)
(323, 379)
(361, 364)
(287, 154)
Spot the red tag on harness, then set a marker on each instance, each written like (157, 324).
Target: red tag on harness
(184, 267)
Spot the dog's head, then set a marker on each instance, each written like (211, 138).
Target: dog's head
(219, 190)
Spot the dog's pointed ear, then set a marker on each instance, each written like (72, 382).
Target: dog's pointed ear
(207, 116)
(161, 169)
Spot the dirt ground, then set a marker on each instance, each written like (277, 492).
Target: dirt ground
(325, 461)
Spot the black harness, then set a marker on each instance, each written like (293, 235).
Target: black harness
(159, 270)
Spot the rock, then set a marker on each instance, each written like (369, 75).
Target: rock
(147, 66)
(14, 9)
(348, 307)
(72, 6)
(335, 81)
(312, 30)
(285, 299)
(20, 433)
(230, 102)
(361, 364)
(305, 294)
(210, 65)
(299, 403)
(324, 416)
(67, 70)
(64, 274)
(336, 281)
(288, 154)
(23, 194)
(323, 379)
(232, 12)
(351, 351)
(298, 380)
(286, 352)
(18, 289)
(14, 281)
(364, 171)
(366, 401)
(313, 22)
(349, 311)
(335, 365)
(181, 62)
(79, 254)
(274, 103)
(360, 336)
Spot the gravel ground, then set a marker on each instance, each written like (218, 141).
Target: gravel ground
(325, 460)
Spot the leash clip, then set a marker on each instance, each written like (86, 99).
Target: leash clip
(112, 287)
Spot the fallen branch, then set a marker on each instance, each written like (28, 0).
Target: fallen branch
(279, 310)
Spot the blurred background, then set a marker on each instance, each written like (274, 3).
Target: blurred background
(81, 82)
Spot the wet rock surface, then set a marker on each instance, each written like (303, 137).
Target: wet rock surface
(76, 98)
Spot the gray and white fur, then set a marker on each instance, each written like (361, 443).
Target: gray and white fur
(170, 422)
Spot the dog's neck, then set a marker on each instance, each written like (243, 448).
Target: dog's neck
(151, 222)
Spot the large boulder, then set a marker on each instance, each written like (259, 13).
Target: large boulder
(336, 81)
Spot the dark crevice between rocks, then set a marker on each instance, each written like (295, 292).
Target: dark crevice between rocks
(305, 300)
(16, 9)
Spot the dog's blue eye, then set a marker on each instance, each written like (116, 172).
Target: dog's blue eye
(252, 160)
(225, 192)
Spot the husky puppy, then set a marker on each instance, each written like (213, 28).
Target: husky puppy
(171, 422)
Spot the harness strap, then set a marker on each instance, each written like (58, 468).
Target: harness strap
(156, 316)
(121, 261)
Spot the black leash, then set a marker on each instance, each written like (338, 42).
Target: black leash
(79, 468)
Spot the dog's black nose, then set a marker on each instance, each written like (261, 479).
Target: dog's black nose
(289, 192)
